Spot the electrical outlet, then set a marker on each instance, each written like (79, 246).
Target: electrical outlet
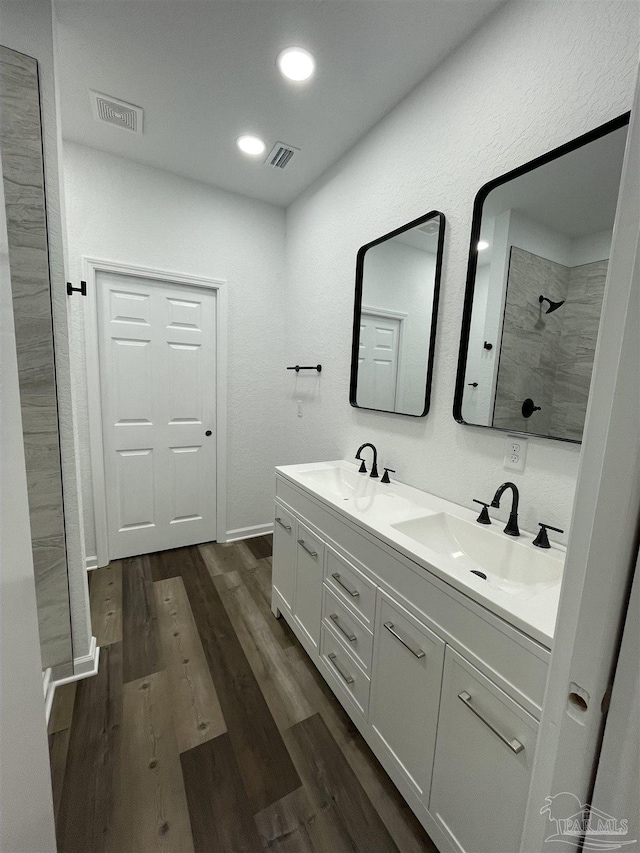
(515, 453)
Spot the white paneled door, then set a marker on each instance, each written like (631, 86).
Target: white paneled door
(158, 387)
(378, 361)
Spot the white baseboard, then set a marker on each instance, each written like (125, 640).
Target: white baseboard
(249, 532)
(83, 667)
(91, 563)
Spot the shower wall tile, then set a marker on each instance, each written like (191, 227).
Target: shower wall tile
(578, 340)
(22, 163)
(548, 357)
(530, 345)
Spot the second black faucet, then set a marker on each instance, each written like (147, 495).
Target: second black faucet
(512, 525)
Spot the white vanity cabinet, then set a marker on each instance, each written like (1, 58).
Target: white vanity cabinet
(445, 693)
(483, 761)
(405, 691)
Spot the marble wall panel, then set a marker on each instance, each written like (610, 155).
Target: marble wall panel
(23, 178)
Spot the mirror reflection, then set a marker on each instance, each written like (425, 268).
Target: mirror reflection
(537, 271)
(397, 283)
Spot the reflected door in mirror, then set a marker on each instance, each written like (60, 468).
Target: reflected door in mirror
(378, 361)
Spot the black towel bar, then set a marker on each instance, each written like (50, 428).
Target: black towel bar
(298, 368)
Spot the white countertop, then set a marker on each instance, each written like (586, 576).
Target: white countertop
(376, 507)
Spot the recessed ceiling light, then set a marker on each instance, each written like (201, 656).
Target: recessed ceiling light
(482, 245)
(251, 145)
(296, 63)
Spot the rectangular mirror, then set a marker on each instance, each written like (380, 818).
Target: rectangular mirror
(396, 306)
(540, 243)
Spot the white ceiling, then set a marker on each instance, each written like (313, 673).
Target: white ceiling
(204, 71)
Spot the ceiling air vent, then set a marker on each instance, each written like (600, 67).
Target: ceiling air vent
(281, 155)
(112, 111)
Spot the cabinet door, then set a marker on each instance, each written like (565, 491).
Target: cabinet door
(284, 555)
(307, 609)
(483, 761)
(405, 690)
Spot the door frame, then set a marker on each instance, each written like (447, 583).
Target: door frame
(400, 316)
(90, 269)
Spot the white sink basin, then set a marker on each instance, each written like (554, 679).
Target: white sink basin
(339, 482)
(515, 567)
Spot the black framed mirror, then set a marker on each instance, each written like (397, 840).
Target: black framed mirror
(395, 315)
(540, 243)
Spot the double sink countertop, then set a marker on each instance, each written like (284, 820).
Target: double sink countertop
(508, 575)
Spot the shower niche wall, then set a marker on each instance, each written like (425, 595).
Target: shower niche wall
(22, 162)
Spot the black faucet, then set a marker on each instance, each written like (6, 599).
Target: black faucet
(512, 525)
(374, 468)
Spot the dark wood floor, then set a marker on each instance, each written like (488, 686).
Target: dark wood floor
(207, 727)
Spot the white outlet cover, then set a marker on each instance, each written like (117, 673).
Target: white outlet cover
(515, 453)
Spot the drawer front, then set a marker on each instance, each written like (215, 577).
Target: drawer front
(357, 638)
(307, 609)
(405, 691)
(351, 586)
(484, 754)
(284, 554)
(343, 671)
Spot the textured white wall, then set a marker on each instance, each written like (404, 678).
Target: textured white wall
(535, 76)
(121, 211)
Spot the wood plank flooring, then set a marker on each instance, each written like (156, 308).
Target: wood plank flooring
(207, 728)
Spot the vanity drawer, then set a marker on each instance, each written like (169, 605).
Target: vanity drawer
(351, 586)
(343, 671)
(357, 638)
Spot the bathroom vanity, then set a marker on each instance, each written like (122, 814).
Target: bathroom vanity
(442, 670)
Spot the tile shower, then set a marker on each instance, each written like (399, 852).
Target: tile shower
(548, 357)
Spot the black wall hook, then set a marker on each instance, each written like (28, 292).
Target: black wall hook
(82, 290)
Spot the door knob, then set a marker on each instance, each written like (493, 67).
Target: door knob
(208, 432)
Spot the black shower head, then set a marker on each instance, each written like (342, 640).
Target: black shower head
(553, 306)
